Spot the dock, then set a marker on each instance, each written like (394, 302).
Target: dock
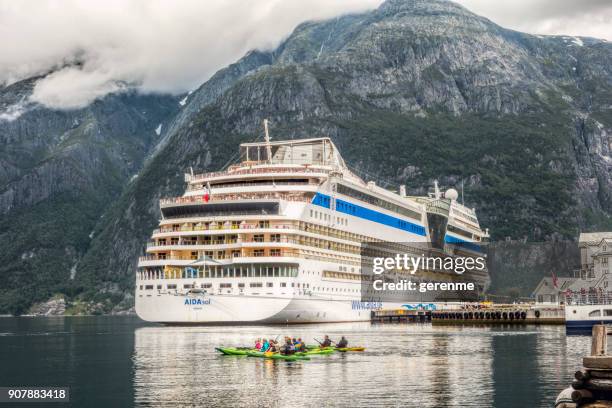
(501, 314)
(470, 314)
(401, 315)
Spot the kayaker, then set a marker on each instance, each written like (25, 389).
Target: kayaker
(294, 341)
(300, 346)
(342, 343)
(273, 347)
(258, 344)
(287, 348)
(265, 346)
(326, 341)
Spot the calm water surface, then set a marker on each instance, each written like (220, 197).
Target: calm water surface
(122, 362)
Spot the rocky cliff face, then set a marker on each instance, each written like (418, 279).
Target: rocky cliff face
(59, 171)
(414, 91)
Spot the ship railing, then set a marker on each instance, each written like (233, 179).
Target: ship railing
(213, 242)
(247, 184)
(269, 243)
(293, 254)
(165, 202)
(167, 257)
(222, 227)
(246, 171)
(589, 298)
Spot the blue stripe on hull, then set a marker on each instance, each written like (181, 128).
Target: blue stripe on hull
(584, 325)
(355, 210)
(469, 245)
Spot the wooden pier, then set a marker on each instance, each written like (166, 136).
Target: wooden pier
(500, 314)
(475, 314)
(400, 315)
(592, 386)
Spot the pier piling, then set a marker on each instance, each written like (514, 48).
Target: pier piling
(592, 386)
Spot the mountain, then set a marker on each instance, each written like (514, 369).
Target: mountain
(59, 171)
(411, 92)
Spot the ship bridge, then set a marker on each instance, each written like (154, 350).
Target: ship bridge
(315, 152)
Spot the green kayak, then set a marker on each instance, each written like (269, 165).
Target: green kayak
(276, 356)
(315, 351)
(232, 351)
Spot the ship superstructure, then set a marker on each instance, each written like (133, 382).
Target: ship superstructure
(276, 238)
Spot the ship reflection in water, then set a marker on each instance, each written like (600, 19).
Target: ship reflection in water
(408, 365)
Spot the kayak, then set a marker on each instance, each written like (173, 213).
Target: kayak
(345, 349)
(315, 351)
(342, 349)
(276, 356)
(309, 348)
(232, 351)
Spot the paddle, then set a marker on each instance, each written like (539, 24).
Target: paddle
(320, 344)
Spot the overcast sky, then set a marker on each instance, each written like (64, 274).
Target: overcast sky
(174, 46)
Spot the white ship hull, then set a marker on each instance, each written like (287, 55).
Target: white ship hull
(581, 318)
(180, 309)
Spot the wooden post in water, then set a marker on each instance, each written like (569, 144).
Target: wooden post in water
(592, 387)
(599, 340)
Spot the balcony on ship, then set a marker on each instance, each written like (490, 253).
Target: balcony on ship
(245, 172)
(228, 204)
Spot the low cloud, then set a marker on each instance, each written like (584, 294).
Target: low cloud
(155, 46)
(95, 48)
(589, 18)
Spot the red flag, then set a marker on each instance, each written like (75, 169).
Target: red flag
(206, 196)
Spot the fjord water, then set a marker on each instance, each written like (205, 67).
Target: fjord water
(121, 362)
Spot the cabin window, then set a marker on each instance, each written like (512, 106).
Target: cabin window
(283, 284)
(275, 238)
(187, 286)
(264, 224)
(171, 286)
(608, 312)
(241, 285)
(258, 238)
(206, 285)
(596, 313)
(225, 285)
(258, 252)
(256, 285)
(269, 285)
(149, 287)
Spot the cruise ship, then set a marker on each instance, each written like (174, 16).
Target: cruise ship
(277, 238)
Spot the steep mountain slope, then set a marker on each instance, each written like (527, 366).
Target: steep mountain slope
(413, 91)
(59, 171)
